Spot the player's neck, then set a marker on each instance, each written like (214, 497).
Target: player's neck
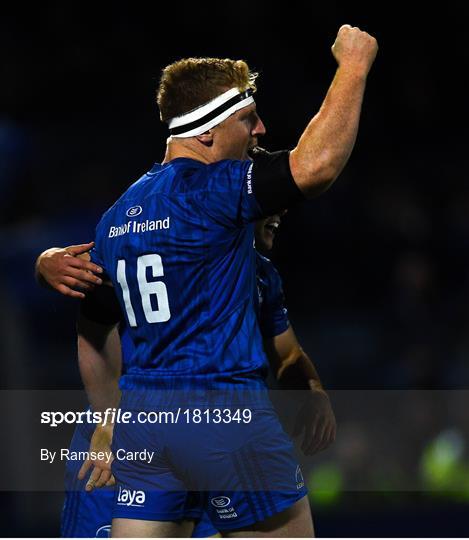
(185, 149)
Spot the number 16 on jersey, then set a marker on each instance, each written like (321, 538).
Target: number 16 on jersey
(146, 289)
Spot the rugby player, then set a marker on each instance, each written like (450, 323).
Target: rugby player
(87, 514)
(186, 288)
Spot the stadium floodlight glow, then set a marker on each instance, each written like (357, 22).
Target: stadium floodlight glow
(210, 114)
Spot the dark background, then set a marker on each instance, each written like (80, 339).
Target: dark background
(375, 271)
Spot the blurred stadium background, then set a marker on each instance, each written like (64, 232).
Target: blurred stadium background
(375, 272)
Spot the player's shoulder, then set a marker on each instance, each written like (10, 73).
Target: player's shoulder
(185, 175)
(138, 188)
(267, 267)
(228, 173)
(262, 260)
(129, 193)
(229, 166)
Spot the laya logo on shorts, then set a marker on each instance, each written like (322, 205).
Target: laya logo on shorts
(103, 532)
(220, 502)
(130, 497)
(134, 211)
(300, 481)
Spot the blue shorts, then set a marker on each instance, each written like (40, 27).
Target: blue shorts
(238, 473)
(88, 515)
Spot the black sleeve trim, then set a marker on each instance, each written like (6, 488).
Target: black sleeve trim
(101, 306)
(272, 182)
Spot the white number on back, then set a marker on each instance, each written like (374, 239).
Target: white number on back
(147, 289)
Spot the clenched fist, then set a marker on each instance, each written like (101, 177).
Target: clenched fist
(355, 49)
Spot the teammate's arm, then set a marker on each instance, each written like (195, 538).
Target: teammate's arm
(68, 270)
(99, 359)
(294, 370)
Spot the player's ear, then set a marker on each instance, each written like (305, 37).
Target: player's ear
(206, 138)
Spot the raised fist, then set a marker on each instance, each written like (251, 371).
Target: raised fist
(355, 49)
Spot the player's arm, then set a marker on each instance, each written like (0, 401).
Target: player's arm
(294, 370)
(68, 270)
(99, 358)
(328, 140)
(281, 179)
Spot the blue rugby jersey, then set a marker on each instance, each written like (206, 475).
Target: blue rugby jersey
(178, 247)
(271, 310)
(272, 314)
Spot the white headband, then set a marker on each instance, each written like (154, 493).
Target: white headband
(210, 114)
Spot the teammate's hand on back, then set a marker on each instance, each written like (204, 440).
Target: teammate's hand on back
(316, 419)
(354, 49)
(69, 270)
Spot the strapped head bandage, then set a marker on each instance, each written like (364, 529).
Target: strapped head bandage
(210, 114)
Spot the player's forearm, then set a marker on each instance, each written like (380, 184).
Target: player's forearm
(99, 358)
(299, 373)
(99, 379)
(38, 266)
(327, 142)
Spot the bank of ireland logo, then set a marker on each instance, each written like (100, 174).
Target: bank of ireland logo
(300, 481)
(104, 532)
(134, 211)
(220, 502)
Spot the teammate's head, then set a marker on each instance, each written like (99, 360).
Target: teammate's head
(207, 102)
(265, 232)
